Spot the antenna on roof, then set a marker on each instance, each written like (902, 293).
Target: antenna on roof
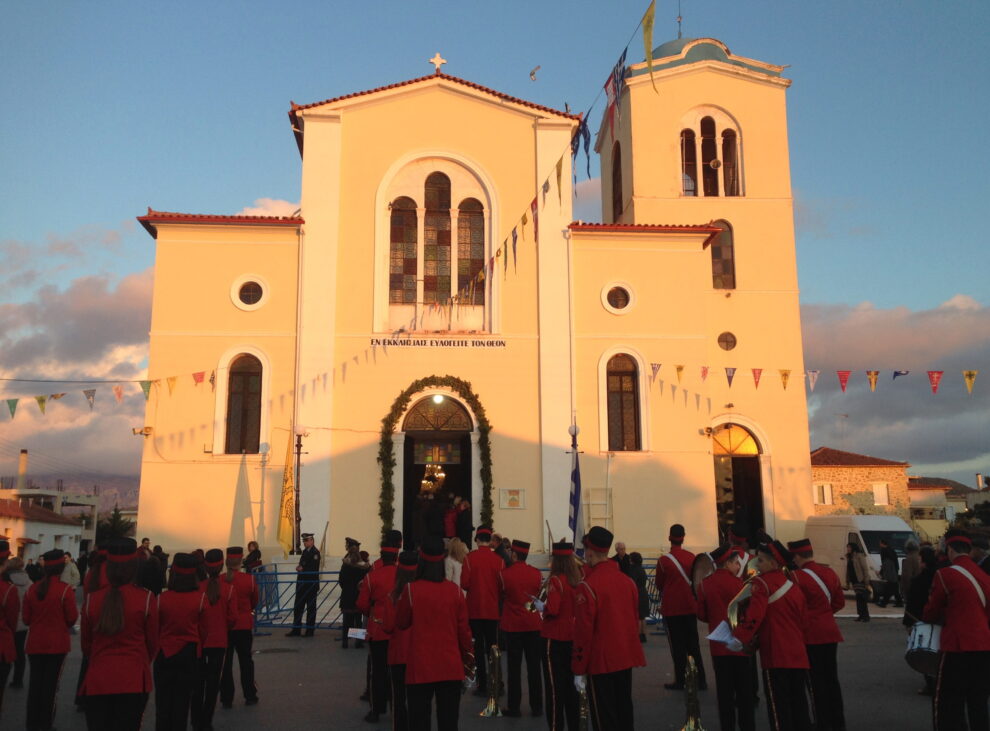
(679, 19)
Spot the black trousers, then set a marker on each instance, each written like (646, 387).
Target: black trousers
(519, 644)
(4, 674)
(610, 701)
(826, 693)
(787, 699)
(682, 633)
(239, 641)
(175, 678)
(862, 605)
(204, 698)
(485, 632)
(352, 618)
(21, 661)
(962, 688)
(735, 692)
(81, 699)
(117, 712)
(306, 592)
(420, 699)
(379, 675)
(400, 716)
(42, 689)
(562, 698)
(889, 590)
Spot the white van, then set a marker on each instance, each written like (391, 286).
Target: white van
(829, 535)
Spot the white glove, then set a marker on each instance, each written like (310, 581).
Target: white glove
(734, 645)
(580, 683)
(538, 605)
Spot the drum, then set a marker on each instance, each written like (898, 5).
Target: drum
(922, 648)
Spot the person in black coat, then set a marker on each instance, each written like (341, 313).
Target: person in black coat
(917, 597)
(352, 571)
(637, 573)
(465, 530)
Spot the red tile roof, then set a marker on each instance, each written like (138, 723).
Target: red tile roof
(27, 511)
(828, 457)
(152, 217)
(645, 227)
(938, 483)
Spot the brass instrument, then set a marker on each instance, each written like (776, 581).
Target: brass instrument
(544, 592)
(701, 569)
(470, 672)
(492, 710)
(737, 607)
(584, 710)
(693, 722)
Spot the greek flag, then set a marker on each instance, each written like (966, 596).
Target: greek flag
(575, 520)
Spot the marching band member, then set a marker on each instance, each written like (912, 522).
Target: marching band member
(219, 613)
(49, 611)
(606, 636)
(10, 609)
(558, 633)
(479, 578)
(374, 588)
(959, 601)
(180, 623)
(777, 613)
(435, 613)
(519, 584)
(733, 670)
(677, 605)
(398, 644)
(120, 637)
(240, 639)
(824, 597)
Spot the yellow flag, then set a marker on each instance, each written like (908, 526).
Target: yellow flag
(970, 377)
(648, 38)
(560, 169)
(680, 370)
(872, 376)
(171, 384)
(287, 508)
(785, 376)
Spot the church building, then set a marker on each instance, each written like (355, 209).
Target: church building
(432, 323)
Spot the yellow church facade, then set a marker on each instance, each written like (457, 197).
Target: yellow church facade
(433, 321)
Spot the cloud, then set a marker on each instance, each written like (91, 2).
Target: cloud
(269, 207)
(588, 200)
(825, 218)
(902, 420)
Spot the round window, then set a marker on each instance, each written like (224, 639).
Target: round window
(727, 341)
(250, 293)
(618, 297)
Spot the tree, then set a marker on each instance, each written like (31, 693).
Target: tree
(113, 526)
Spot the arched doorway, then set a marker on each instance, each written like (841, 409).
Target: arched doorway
(738, 482)
(436, 464)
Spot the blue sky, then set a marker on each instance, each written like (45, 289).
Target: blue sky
(110, 107)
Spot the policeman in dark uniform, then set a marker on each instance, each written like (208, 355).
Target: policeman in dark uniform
(307, 587)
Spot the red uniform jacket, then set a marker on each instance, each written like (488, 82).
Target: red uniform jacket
(180, 620)
(479, 578)
(558, 615)
(245, 597)
(714, 595)
(120, 663)
(375, 586)
(956, 603)
(779, 618)
(436, 616)
(218, 619)
(518, 584)
(606, 622)
(676, 596)
(398, 644)
(10, 608)
(49, 619)
(822, 604)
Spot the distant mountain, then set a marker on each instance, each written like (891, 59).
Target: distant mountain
(121, 490)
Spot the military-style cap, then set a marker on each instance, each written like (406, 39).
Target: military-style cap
(184, 563)
(213, 559)
(483, 534)
(777, 551)
(392, 538)
(408, 561)
(432, 549)
(53, 557)
(598, 539)
(304, 536)
(351, 542)
(521, 547)
(121, 550)
(235, 552)
(562, 548)
(725, 553)
(801, 546)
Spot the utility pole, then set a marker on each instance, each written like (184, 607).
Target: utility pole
(296, 544)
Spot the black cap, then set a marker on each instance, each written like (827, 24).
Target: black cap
(801, 546)
(121, 549)
(562, 548)
(304, 536)
(520, 547)
(777, 551)
(432, 548)
(598, 539)
(213, 558)
(184, 563)
(351, 542)
(53, 557)
(719, 553)
(392, 538)
(233, 551)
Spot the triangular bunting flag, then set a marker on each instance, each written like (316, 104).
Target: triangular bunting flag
(515, 236)
(757, 373)
(546, 189)
(843, 379)
(680, 372)
(41, 402)
(656, 369)
(785, 376)
(697, 402)
(90, 394)
(970, 378)
(525, 220)
(171, 384)
(898, 373)
(118, 393)
(12, 405)
(934, 378)
(213, 380)
(146, 387)
(199, 377)
(704, 373)
(872, 377)
(730, 373)
(812, 379)
(55, 396)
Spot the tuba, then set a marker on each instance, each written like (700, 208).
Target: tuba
(701, 569)
(492, 710)
(693, 722)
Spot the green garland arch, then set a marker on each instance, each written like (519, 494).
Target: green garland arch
(386, 457)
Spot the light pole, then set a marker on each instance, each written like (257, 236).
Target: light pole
(300, 433)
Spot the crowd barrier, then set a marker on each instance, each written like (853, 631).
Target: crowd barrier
(277, 597)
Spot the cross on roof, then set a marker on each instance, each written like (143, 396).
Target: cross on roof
(437, 61)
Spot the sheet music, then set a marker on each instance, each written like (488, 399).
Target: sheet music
(722, 633)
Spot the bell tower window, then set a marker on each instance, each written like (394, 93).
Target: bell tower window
(689, 164)
(616, 182)
(711, 161)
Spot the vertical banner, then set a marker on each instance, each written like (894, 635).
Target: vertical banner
(813, 379)
(118, 392)
(146, 387)
(872, 377)
(680, 371)
(656, 369)
(90, 394)
(647, 24)
(575, 518)
(935, 378)
(704, 373)
(12, 405)
(785, 376)
(757, 373)
(843, 379)
(41, 402)
(560, 170)
(730, 373)
(286, 530)
(970, 378)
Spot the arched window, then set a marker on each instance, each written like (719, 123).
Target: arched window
(402, 252)
(730, 168)
(723, 258)
(616, 182)
(471, 250)
(622, 382)
(244, 406)
(436, 248)
(689, 163)
(709, 157)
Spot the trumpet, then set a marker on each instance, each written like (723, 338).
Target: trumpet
(492, 710)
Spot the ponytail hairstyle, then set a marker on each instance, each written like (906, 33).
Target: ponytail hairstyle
(213, 563)
(407, 565)
(54, 565)
(235, 558)
(122, 566)
(93, 574)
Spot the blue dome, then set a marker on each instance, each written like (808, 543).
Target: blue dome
(671, 48)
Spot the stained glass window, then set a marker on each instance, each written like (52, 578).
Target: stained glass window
(723, 258)
(244, 406)
(471, 250)
(426, 452)
(436, 247)
(622, 378)
(402, 252)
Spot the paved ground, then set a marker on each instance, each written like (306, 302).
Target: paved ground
(315, 684)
